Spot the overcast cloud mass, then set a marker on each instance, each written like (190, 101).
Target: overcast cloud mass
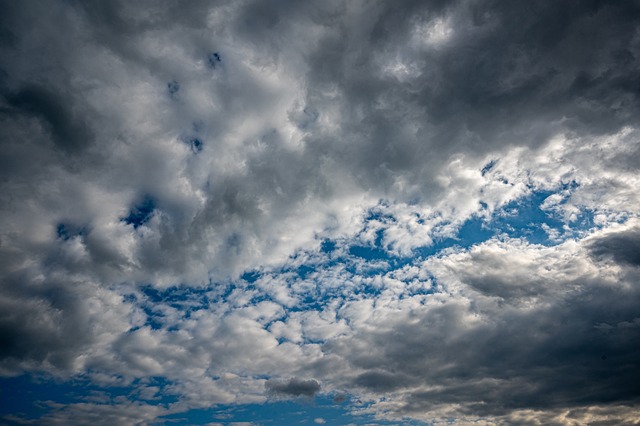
(418, 212)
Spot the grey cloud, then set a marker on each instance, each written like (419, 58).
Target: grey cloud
(382, 381)
(69, 133)
(51, 323)
(313, 113)
(292, 387)
(33, 326)
(508, 75)
(621, 247)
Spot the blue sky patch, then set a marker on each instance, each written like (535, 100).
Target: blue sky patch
(66, 231)
(140, 213)
(173, 87)
(214, 60)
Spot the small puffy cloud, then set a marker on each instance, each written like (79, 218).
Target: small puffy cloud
(292, 387)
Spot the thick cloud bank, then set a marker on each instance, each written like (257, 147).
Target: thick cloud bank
(427, 210)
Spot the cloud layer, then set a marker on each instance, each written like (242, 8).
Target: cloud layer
(430, 207)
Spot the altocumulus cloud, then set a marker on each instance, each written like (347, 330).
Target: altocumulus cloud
(427, 210)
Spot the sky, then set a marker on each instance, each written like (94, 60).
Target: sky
(319, 212)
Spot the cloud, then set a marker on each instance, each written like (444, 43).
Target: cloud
(622, 247)
(263, 161)
(215, 194)
(122, 413)
(68, 132)
(293, 387)
(483, 347)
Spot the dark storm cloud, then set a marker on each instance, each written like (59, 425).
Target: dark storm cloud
(47, 323)
(292, 387)
(381, 381)
(543, 360)
(621, 247)
(69, 133)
